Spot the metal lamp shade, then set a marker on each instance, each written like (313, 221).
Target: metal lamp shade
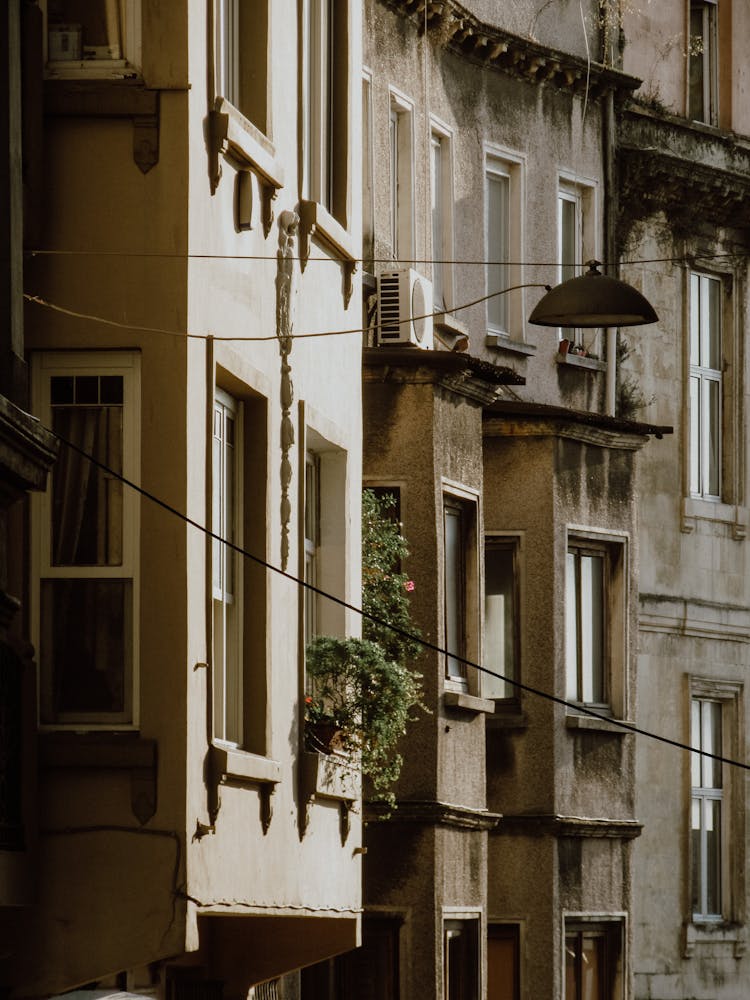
(593, 300)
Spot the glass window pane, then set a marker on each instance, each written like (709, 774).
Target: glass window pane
(454, 597)
(695, 312)
(713, 323)
(393, 138)
(592, 632)
(713, 856)
(571, 629)
(695, 741)
(217, 548)
(85, 648)
(697, 72)
(438, 224)
(711, 716)
(713, 436)
(498, 248)
(695, 435)
(592, 966)
(86, 500)
(571, 966)
(500, 619)
(568, 221)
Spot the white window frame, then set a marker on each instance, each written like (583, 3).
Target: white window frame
(704, 49)
(442, 212)
(227, 661)
(705, 425)
(583, 194)
(227, 50)
(726, 925)
(614, 547)
(99, 68)
(318, 86)
(126, 364)
(457, 921)
(401, 184)
(502, 164)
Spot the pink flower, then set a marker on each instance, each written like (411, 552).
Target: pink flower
(409, 585)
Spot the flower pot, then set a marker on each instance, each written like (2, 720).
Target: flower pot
(323, 737)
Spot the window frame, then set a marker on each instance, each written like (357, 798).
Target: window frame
(45, 366)
(513, 543)
(327, 103)
(611, 928)
(700, 418)
(705, 61)
(583, 193)
(239, 44)
(401, 173)
(728, 694)
(511, 166)
(466, 927)
(228, 677)
(368, 171)
(465, 503)
(442, 214)
(130, 59)
(613, 547)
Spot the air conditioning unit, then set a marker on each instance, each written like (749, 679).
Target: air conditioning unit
(404, 309)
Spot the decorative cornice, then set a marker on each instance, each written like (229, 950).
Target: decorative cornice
(690, 171)
(27, 450)
(457, 28)
(433, 813)
(511, 418)
(553, 825)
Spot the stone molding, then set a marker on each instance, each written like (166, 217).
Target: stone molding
(433, 813)
(555, 825)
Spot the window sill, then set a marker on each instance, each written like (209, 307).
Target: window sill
(318, 223)
(468, 702)
(720, 932)
(581, 361)
(695, 509)
(447, 323)
(588, 722)
(238, 765)
(242, 141)
(501, 342)
(331, 776)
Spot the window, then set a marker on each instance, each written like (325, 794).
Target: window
(705, 387)
(459, 576)
(441, 197)
(503, 235)
(92, 37)
(703, 50)
(242, 75)
(326, 99)
(238, 585)
(86, 609)
(227, 570)
(368, 172)
(461, 960)
(593, 961)
(503, 962)
(501, 617)
(576, 235)
(312, 542)
(401, 142)
(595, 622)
(706, 810)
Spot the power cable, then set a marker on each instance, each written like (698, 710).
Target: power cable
(38, 300)
(425, 643)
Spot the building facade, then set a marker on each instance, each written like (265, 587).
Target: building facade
(683, 211)
(199, 216)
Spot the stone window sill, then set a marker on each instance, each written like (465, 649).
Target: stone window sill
(242, 141)
(507, 716)
(238, 765)
(581, 361)
(468, 702)
(316, 222)
(696, 509)
(732, 936)
(501, 342)
(592, 724)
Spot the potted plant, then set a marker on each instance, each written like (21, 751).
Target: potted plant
(364, 691)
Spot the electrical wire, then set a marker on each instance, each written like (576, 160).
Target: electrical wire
(467, 261)
(38, 300)
(375, 619)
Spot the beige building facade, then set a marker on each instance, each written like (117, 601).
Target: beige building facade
(200, 216)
